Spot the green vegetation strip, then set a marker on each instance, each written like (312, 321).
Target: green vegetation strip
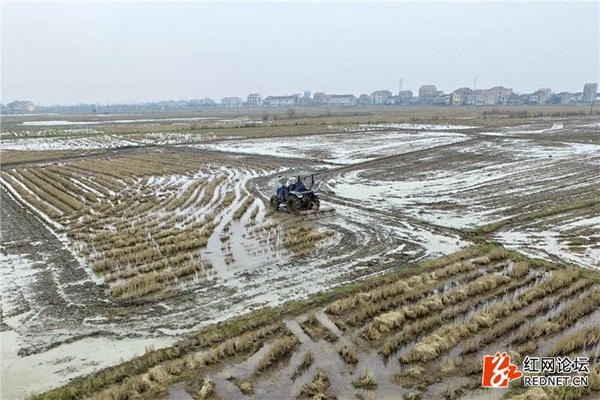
(493, 227)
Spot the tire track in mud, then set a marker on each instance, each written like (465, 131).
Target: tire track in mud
(370, 164)
(60, 292)
(100, 153)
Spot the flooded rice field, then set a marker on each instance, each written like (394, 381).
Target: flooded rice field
(107, 255)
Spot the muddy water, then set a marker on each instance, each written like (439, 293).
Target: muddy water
(258, 275)
(48, 298)
(52, 300)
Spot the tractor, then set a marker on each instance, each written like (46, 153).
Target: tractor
(298, 198)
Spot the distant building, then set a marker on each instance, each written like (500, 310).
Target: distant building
(589, 92)
(562, 98)
(404, 97)
(282, 101)
(255, 100)
(20, 106)
(480, 97)
(544, 95)
(514, 99)
(504, 97)
(231, 102)
(441, 99)
(364, 100)
(341, 100)
(540, 96)
(499, 95)
(427, 93)
(534, 98)
(319, 98)
(524, 98)
(380, 97)
(306, 101)
(459, 96)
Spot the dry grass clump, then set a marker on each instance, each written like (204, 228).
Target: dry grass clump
(582, 338)
(249, 326)
(254, 213)
(209, 189)
(412, 396)
(54, 178)
(159, 373)
(453, 269)
(239, 213)
(456, 297)
(280, 349)
(481, 261)
(365, 381)
(486, 283)
(315, 330)
(452, 393)
(340, 306)
(142, 234)
(301, 238)
(568, 316)
(432, 346)
(449, 367)
(141, 285)
(579, 307)
(594, 378)
(305, 364)
(53, 193)
(556, 280)
(348, 355)
(31, 198)
(207, 389)
(182, 198)
(240, 344)
(414, 372)
(394, 289)
(394, 319)
(505, 326)
(439, 262)
(536, 330)
(398, 287)
(520, 269)
(419, 286)
(133, 387)
(318, 388)
(246, 388)
(409, 334)
(498, 254)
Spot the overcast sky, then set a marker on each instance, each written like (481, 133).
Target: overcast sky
(124, 52)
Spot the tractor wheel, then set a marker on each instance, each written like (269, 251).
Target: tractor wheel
(294, 204)
(274, 202)
(316, 204)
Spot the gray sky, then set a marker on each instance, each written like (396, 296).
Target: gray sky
(122, 52)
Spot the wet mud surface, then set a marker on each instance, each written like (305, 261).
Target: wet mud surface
(398, 204)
